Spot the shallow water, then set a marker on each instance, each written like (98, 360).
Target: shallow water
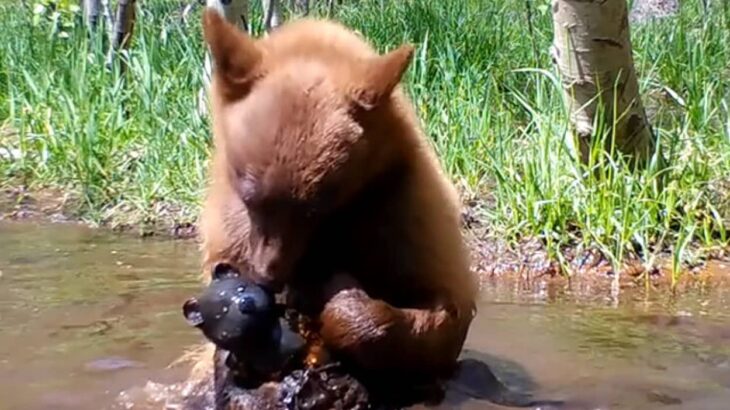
(85, 315)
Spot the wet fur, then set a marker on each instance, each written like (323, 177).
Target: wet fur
(385, 267)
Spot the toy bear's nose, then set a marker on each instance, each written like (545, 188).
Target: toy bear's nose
(246, 304)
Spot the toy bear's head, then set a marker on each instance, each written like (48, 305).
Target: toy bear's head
(232, 312)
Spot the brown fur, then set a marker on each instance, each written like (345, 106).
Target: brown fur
(323, 183)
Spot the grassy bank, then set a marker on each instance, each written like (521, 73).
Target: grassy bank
(136, 151)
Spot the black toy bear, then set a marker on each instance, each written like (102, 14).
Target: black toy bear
(244, 319)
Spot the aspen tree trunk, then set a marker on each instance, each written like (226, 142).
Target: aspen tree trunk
(124, 24)
(121, 34)
(272, 14)
(236, 12)
(92, 9)
(108, 18)
(301, 6)
(592, 51)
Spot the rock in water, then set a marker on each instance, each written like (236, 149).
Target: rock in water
(328, 387)
(323, 389)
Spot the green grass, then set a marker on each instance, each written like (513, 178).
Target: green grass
(483, 84)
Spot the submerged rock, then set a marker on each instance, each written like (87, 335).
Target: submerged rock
(325, 388)
(112, 363)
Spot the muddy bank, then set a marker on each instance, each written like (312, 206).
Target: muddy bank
(527, 264)
(530, 264)
(18, 203)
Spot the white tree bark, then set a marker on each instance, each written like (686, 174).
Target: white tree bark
(592, 51)
(108, 18)
(92, 9)
(300, 6)
(272, 14)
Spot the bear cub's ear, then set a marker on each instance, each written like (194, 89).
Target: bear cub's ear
(235, 54)
(381, 75)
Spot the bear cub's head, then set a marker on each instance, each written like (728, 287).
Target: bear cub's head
(298, 118)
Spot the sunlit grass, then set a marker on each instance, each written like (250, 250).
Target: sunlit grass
(136, 148)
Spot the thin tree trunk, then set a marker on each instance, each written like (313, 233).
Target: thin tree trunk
(122, 32)
(124, 24)
(92, 10)
(302, 6)
(592, 51)
(272, 14)
(108, 17)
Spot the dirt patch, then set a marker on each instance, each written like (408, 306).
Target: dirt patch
(48, 205)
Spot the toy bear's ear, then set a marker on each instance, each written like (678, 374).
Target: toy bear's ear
(224, 270)
(381, 75)
(236, 57)
(191, 311)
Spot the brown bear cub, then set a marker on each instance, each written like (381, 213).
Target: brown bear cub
(324, 185)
